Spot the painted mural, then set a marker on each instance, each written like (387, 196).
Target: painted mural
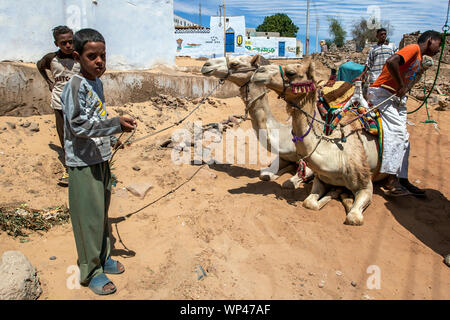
(239, 40)
(179, 42)
(209, 42)
(260, 50)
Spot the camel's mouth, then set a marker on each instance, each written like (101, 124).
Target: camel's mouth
(208, 72)
(303, 87)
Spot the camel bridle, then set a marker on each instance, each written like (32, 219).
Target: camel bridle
(248, 104)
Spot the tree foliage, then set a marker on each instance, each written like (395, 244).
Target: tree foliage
(362, 33)
(279, 22)
(337, 32)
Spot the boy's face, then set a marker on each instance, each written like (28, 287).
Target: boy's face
(65, 42)
(92, 60)
(433, 47)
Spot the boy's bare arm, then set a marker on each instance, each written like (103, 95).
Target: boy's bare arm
(43, 65)
(393, 64)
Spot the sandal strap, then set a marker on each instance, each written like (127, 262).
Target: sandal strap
(98, 282)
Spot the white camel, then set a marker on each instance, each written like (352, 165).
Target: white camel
(349, 157)
(239, 70)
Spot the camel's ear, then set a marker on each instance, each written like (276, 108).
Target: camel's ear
(311, 71)
(258, 61)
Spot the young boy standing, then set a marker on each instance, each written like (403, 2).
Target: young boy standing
(62, 66)
(87, 133)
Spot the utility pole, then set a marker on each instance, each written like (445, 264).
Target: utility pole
(307, 29)
(224, 32)
(317, 34)
(200, 13)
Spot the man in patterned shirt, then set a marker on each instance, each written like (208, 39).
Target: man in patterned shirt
(62, 67)
(377, 57)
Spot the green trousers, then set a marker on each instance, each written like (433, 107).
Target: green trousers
(89, 198)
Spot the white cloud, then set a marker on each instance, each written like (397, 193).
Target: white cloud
(191, 7)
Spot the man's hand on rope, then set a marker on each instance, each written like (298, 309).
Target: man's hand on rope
(127, 124)
(402, 91)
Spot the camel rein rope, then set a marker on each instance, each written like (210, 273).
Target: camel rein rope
(221, 81)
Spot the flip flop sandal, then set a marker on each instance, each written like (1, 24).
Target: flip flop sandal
(415, 191)
(111, 267)
(98, 282)
(398, 192)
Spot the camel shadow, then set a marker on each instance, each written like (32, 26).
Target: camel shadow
(235, 171)
(291, 196)
(59, 151)
(428, 218)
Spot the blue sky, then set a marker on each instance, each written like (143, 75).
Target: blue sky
(405, 16)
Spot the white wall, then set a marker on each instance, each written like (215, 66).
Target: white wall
(210, 44)
(199, 44)
(138, 33)
(269, 47)
(196, 44)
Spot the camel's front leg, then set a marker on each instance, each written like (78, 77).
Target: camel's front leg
(295, 181)
(315, 201)
(363, 198)
(276, 169)
(347, 201)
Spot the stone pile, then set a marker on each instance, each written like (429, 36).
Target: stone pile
(160, 101)
(337, 56)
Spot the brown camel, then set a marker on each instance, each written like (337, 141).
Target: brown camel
(349, 157)
(239, 70)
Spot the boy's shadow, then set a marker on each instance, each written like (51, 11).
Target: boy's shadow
(428, 218)
(58, 150)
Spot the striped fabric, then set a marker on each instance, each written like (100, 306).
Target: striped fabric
(377, 57)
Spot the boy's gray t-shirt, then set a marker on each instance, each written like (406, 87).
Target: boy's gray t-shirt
(87, 129)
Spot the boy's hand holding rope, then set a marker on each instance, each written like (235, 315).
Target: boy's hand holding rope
(128, 125)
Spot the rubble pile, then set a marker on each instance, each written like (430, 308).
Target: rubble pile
(337, 56)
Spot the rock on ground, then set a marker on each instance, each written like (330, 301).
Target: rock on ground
(447, 260)
(18, 278)
(139, 189)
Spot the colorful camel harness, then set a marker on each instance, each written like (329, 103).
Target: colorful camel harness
(332, 101)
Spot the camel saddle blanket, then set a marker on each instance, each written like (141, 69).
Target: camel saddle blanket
(333, 96)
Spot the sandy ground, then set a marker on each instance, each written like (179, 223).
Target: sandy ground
(253, 239)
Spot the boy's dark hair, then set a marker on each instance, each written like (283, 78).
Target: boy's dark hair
(434, 35)
(380, 30)
(81, 37)
(61, 30)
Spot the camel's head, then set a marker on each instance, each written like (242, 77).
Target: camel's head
(216, 67)
(292, 80)
(238, 69)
